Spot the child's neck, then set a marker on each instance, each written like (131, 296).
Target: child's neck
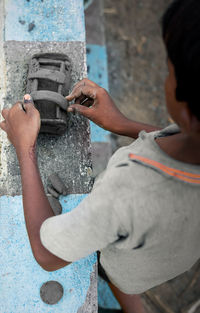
(182, 147)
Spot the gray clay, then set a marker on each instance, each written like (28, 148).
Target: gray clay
(47, 95)
(51, 292)
(53, 192)
(55, 205)
(58, 184)
(48, 83)
(31, 26)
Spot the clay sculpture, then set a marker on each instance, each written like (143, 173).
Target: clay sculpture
(55, 204)
(55, 188)
(57, 184)
(48, 83)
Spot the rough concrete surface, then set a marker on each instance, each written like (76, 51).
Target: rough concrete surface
(137, 70)
(74, 167)
(90, 305)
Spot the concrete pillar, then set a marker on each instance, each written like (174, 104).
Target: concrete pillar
(28, 27)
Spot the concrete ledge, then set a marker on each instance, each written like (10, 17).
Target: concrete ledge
(68, 155)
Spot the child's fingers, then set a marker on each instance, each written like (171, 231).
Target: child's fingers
(27, 98)
(82, 83)
(28, 104)
(83, 90)
(70, 97)
(80, 109)
(3, 125)
(4, 113)
(85, 82)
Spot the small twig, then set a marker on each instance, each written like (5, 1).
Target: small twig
(192, 307)
(192, 282)
(158, 302)
(110, 11)
(194, 279)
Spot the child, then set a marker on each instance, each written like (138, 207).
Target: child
(143, 213)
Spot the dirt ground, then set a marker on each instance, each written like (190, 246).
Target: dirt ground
(137, 70)
(136, 58)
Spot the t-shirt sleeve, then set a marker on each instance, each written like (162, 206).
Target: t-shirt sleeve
(91, 226)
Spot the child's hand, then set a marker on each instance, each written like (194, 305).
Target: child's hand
(22, 124)
(102, 111)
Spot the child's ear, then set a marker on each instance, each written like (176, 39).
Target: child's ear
(185, 117)
(195, 124)
(189, 122)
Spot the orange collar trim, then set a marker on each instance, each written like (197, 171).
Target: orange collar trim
(184, 176)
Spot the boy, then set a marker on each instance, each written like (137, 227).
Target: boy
(143, 212)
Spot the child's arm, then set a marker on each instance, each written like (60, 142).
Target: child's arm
(103, 111)
(22, 129)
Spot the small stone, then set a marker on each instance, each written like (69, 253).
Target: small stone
(22, 21)
(58, 184)
(51, 292)
(55, 205)
(53, 192)
(31, 26)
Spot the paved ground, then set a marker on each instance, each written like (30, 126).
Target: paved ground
(137, 69)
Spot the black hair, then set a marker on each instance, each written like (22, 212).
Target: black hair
(181, 35)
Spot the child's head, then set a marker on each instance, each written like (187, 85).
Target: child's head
(181, 34)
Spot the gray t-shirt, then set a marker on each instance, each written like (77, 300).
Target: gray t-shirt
(145, 222)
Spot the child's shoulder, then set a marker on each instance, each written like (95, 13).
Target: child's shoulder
(144, 162)
(145, 146)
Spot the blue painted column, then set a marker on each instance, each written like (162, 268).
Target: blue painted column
(41, 20)
(98, 72)
(35, 26)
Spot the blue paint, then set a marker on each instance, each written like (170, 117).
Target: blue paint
(54, 20)
(97, 64)
(105, 296)
(20, 275)
(99, 134)
(98, 72)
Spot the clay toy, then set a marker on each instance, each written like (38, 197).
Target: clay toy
(48, 83)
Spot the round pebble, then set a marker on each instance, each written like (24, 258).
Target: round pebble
(51, 292)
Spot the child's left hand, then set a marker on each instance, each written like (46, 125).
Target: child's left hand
(22, 125)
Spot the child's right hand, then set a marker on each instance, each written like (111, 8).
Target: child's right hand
(103, 110)
(22, 125)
